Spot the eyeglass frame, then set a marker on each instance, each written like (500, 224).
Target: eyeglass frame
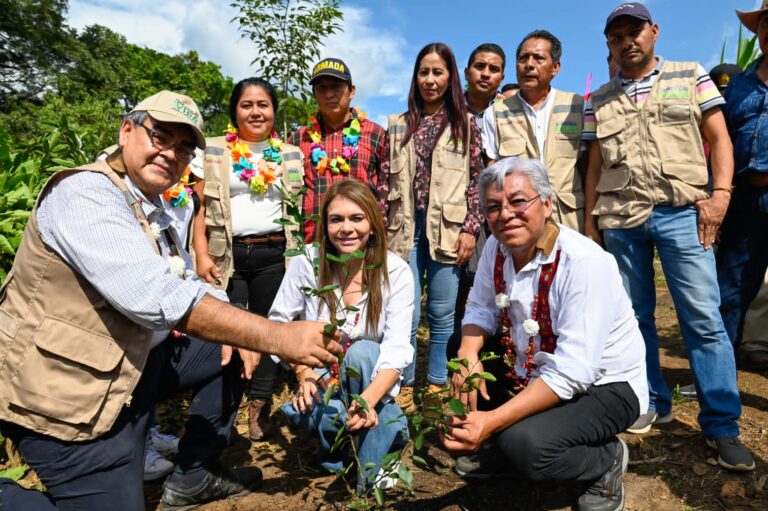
(515, 212)
(153, 134)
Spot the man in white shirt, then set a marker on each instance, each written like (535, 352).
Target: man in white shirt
(541, 122)
(573, 357)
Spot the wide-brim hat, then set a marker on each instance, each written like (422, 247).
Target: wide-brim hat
(751, 19)
(167, 106)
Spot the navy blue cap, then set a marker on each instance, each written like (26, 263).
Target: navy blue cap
(632, 9)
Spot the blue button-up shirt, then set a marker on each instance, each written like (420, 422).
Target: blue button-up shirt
(746, 113)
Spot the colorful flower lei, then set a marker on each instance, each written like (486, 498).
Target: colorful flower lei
(178, 195)
(540, 322)
(350, 138)
(268, 170)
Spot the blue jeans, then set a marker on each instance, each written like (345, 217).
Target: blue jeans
(742, 256)
(372, 444)
(691, 278)
(442, 288)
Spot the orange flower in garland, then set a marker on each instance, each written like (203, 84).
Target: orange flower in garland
(268, 167)
(178, 195)
(350, 138)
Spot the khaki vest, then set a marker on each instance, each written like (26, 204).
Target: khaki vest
(651, 156)
(69, 361)
(447, 206)
(218, 212)
(516, 137)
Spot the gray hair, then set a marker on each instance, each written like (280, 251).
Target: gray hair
(136, 117)
(534, 170)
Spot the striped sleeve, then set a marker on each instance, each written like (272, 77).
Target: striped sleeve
(589, 131)
(707, 95)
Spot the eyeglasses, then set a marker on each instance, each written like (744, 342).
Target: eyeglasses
(514, 207)
(184, 151)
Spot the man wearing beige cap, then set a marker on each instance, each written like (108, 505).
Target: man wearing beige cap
(742, 259)
(99, 283)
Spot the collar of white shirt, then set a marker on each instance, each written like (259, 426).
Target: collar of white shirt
(545, 247)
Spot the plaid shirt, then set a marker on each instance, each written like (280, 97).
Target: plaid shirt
(364, 166)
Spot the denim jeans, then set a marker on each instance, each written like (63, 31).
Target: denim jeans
(442, 288)
(742, 256)
(372, 444)
(691, 278)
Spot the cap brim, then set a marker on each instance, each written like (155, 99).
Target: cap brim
(750, 19)
(178, 119)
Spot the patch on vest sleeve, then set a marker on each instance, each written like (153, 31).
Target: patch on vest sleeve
(676, 92)
(567, 127)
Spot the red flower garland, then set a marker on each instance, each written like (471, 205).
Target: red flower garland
(540, 314)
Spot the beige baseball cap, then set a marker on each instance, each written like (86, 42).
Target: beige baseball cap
(167, 106)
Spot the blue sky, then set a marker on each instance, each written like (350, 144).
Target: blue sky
(381, 38)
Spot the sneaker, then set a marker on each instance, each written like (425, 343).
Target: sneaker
(166, 445)
(486, 463)
(732, 454)
(155, 466)
(405, 400)
(688, 392)
(650, 418)
(258, 418)
(607, 493)
(220, 483)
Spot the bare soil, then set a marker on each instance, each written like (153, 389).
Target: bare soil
(671, 468)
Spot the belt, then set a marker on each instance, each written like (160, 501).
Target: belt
(261, 239)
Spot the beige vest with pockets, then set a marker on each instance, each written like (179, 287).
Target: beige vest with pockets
(218, 212)
(516, 137)
(651, 156)
(69, 361)
(447, 206)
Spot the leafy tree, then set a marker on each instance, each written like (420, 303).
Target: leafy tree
(35, 44)
(289, 34)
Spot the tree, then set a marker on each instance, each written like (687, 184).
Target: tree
(289, 34)
(35, 43)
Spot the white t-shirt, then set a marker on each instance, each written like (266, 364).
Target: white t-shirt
(253, 213)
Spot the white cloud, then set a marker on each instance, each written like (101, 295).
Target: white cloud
(376, 56)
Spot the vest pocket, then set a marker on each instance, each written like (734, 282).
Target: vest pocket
(66, 373)
(675, 114)
(567, 146)
(394, 211)
(512, 147)
(612, 180)
(217, 244)
(611, 141)
(451, 159)
(450, 226)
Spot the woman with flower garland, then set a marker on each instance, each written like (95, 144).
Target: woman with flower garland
(238, 244)
(428, 194)
(373, 303)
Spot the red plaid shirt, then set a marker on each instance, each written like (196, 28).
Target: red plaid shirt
(364, 166)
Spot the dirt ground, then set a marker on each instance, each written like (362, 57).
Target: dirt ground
(671, 468)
